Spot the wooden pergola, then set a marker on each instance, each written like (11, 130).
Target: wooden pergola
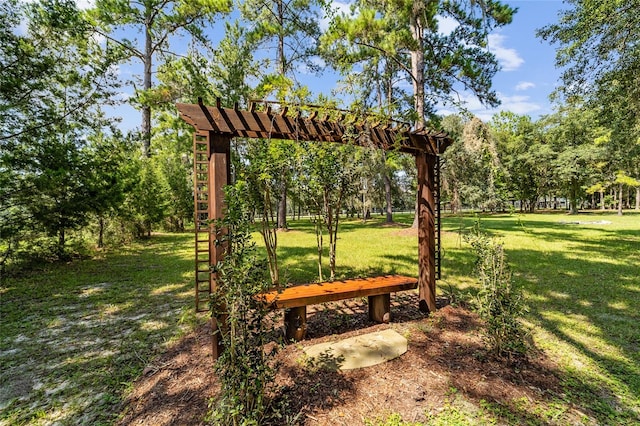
(215, 127)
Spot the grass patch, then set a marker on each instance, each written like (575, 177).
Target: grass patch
(582, 286)
(581, 282)
(74, 336)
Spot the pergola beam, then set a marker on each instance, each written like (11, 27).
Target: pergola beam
(252, 123)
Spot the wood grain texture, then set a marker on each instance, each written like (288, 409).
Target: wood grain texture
(310, 294)
(251, 123)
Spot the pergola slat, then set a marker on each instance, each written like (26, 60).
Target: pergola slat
(268, 125)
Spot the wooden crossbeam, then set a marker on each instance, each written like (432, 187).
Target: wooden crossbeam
(252, 123)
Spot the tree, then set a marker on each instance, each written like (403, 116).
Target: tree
(597, 39)
(54, 78)
(146, 202)
(598, 49)
(157, 21)
(260, 171)
(452, 162)
(174, 166)
(525, 157)
(481, 167)
(472, 170)
(623, 180)
(328, 171)
(439, 66)
(572, 134)
(406, 33)
(293, 26)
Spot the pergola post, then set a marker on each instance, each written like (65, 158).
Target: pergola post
(219, 176)
(425, 164)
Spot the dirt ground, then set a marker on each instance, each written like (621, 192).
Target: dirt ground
(445, 360)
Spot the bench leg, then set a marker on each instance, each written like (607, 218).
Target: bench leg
(295, 323)
(380, 308)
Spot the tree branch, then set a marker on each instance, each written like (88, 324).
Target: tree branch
(392, 57)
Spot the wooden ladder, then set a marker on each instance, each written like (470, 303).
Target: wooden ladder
(201, 155)
(436, 199)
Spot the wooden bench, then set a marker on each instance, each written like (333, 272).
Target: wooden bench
(295, 299)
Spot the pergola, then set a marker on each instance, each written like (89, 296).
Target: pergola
(215, 127)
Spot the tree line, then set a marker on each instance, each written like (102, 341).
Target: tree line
(69, 174)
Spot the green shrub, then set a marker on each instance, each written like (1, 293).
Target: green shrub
(499, 303)
(245, 369)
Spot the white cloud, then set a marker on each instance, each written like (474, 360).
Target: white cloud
(115, 70)
(82, 4)
(85, 4)
(123, 96)
(508, 58)
(518, 104)
(446, 25)
(471, 102)
(525, 85)
(338, 8)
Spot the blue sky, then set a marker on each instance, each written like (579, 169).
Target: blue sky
(527, 77)
(528, 73)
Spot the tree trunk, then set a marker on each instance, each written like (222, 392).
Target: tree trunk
(61, 244)
(574, 197)
(387, 196)
(282, 66)
(101, 232)
(414, 225)
(602, 206)
(319, 242)
(628, 200)
(638, 198)
(282, 205)
(417, 71)
(147, 61)
(620, 200)
(270, 237)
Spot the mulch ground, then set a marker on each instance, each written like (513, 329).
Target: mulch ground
(445, 358)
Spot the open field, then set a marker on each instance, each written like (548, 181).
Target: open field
(74, 337)
(581, 276)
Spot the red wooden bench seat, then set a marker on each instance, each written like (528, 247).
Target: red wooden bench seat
(295, 299)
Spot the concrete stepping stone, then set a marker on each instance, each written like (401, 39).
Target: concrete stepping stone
(357, 352)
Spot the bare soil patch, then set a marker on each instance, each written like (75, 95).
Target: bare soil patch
(445, 361)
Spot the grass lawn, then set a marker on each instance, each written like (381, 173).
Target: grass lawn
(581, 281)
(74, 336)
(582, 286)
